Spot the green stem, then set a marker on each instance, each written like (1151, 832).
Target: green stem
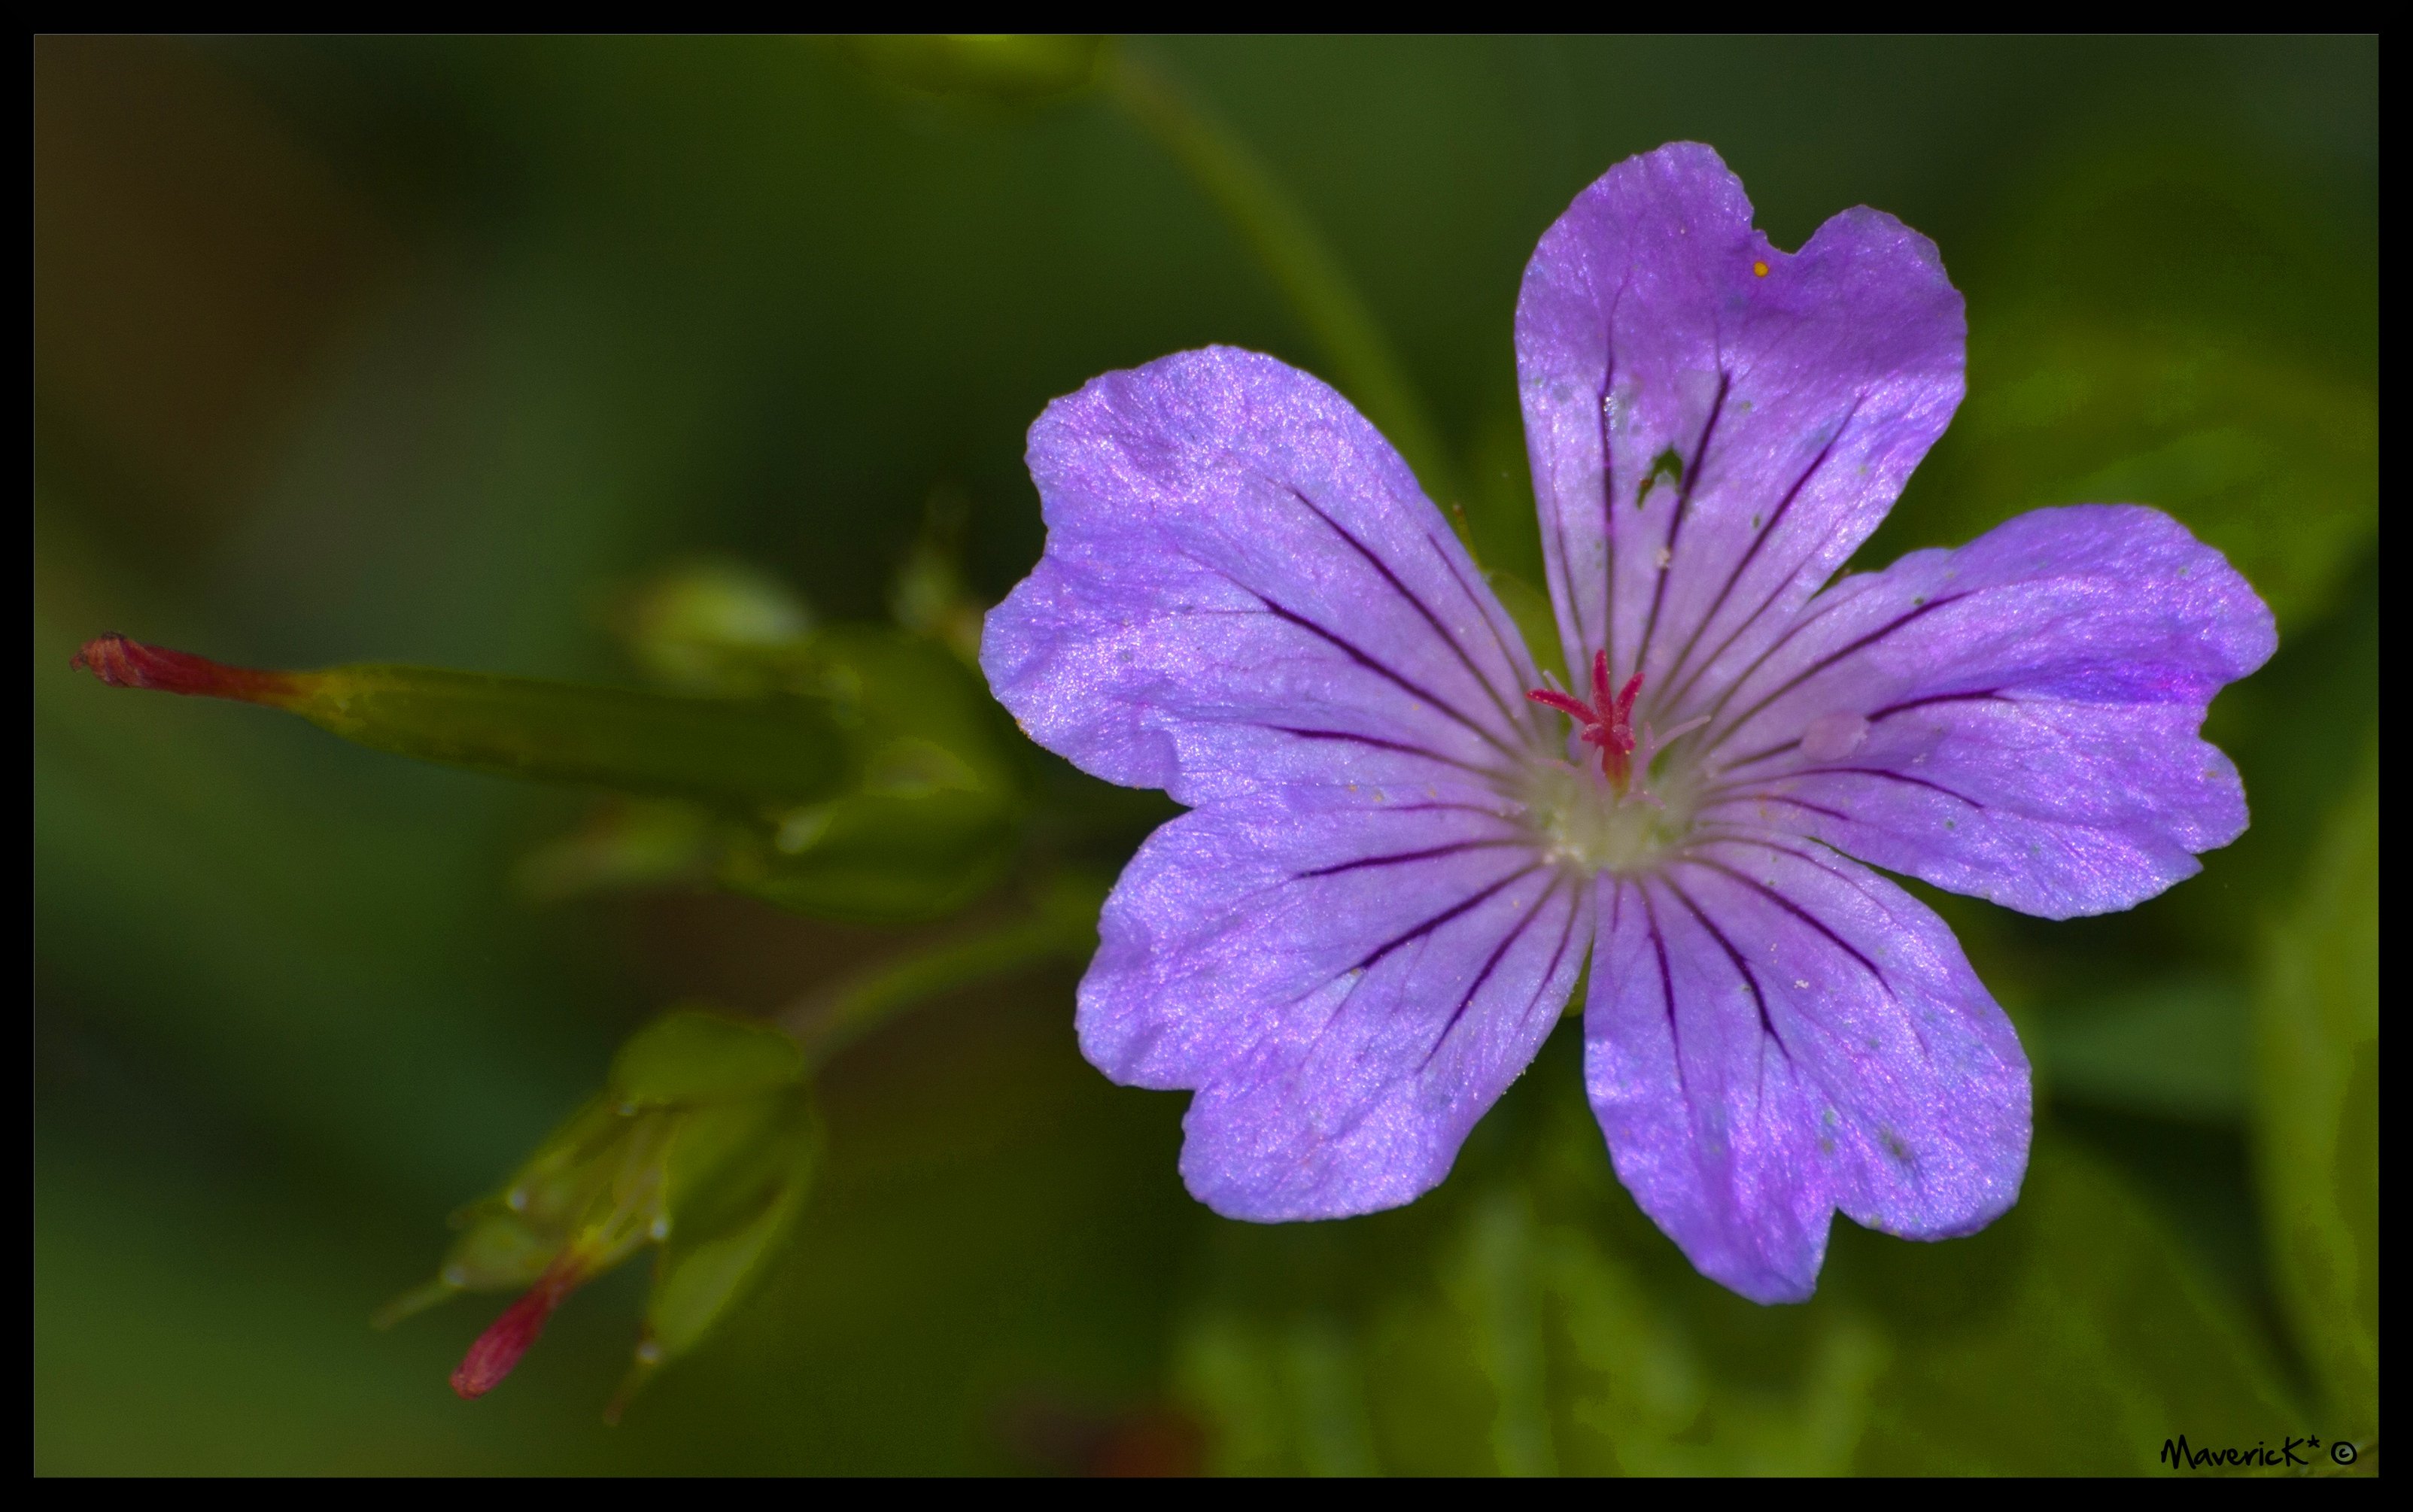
(1062, 926)
(1303, 265)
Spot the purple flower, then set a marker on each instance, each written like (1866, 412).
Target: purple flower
(1402, 842)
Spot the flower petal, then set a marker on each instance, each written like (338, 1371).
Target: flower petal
(1349, 978)
(1774, 1033)
(2016, 719)
(1243, 585)
(1715, 424)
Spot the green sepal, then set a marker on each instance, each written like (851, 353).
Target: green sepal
(1536, 621)
(499, 1250)
(557, 1182)
(691, 1056)
(878, 860)
(696, 1282)
(732, 1190)
(736, 1178)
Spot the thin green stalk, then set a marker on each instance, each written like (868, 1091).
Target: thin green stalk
(1062, 926)
(1365, 366)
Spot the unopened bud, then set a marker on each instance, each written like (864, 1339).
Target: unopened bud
(752, 751)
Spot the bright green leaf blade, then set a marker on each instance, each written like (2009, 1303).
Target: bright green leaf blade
(690, 1056)
(2317, 1051)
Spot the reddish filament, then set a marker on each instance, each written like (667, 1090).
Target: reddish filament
(1606, 722)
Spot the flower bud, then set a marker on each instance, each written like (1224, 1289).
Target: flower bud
(704, 1143)
(750, 752)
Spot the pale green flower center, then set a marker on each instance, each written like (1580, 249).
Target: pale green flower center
(1585, 822)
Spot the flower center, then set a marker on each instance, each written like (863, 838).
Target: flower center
(1620, 817)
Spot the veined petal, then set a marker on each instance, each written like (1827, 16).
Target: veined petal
(1714, 424)
(1776, 1032)
(2016, 719)
(1349, 978)
(1242, 586)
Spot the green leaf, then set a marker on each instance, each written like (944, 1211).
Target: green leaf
(2173, 322)
(2317, 1047)
(691, 1056)
(2275, 463)
(1286, 1398)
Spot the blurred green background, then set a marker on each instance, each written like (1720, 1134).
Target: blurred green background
(428, 350)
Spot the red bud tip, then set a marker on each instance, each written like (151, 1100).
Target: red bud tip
(130, 664)
(498, 1349)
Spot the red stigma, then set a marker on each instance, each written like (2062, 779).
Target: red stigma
(498, 1349)
(130, 664)
(1606, 722)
